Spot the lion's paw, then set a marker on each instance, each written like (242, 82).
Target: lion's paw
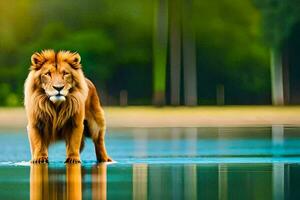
(105, 159)
(40, 160)
(72, 161)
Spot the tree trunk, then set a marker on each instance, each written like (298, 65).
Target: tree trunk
(189, 55)
(175, 51)
(160, 40)
(286, 76)
(277, 77)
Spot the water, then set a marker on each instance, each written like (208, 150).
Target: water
(168, 163)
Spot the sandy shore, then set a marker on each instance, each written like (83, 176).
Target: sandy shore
(179, 116)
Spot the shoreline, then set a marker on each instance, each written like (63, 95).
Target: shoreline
(204, 116)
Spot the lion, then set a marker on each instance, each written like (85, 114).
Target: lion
(61, 104)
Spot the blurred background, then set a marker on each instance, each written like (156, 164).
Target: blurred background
(176, 52)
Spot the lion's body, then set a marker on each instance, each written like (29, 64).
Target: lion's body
(59, 102)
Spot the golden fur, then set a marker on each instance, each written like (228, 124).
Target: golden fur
(61, 103)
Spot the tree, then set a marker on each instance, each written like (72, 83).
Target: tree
(160, 41)
(189, 55)
(175, 50)
(279, 17)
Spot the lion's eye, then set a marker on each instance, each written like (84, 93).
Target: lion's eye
(48, 74)
(65, 73)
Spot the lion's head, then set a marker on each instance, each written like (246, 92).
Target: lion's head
(56, 74)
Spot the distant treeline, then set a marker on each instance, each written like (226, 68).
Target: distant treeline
(129, 48)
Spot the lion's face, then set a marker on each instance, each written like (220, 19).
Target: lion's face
(56, 81)
(56, 73)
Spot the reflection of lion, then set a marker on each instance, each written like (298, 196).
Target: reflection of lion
(62, 104)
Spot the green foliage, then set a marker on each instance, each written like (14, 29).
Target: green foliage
(114, 39)
(94, 46)
(231, 51)
(279, 17)
(7, 97)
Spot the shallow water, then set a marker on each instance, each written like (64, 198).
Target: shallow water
(168, 163)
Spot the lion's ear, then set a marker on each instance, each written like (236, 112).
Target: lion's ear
(74, 61)
(37, 61)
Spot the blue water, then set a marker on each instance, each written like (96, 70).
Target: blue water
(177, 145)
(167, 163)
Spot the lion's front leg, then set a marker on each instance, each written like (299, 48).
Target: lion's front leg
(39, 148)
(73, 144)
(100, 148)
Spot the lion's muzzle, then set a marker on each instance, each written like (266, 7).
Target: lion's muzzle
(58, 95)
(57, 98)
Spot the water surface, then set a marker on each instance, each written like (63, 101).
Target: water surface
(168, 163)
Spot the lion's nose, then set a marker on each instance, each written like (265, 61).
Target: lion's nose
(58, 88)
